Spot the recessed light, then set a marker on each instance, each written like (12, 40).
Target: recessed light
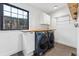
(55, 7)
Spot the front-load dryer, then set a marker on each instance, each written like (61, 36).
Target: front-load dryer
(50, 39)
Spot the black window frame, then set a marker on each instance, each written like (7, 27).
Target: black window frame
(1, 16)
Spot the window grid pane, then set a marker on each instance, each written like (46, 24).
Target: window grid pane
(25, 13)
(20, 16)
(25, 17)
(7, 8)
(20, 12)
(14, 15)
(7, 13)
(14, 10)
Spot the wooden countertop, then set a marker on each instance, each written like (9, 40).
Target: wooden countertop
(39, 30)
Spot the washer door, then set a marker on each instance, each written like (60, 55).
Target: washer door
(43, 42)
(41, 45)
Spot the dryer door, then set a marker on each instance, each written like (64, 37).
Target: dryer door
(51, 38)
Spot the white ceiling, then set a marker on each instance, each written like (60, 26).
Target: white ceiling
(47, 7)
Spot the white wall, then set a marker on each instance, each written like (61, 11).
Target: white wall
(11, 41)
(65, 31)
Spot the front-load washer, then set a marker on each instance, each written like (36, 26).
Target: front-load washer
(41, 43)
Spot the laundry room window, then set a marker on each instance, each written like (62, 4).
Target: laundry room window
(13, 18)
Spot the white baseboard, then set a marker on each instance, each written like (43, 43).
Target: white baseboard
(65, 44)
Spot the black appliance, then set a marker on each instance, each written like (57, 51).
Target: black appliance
(41, 43)
(50, 39)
